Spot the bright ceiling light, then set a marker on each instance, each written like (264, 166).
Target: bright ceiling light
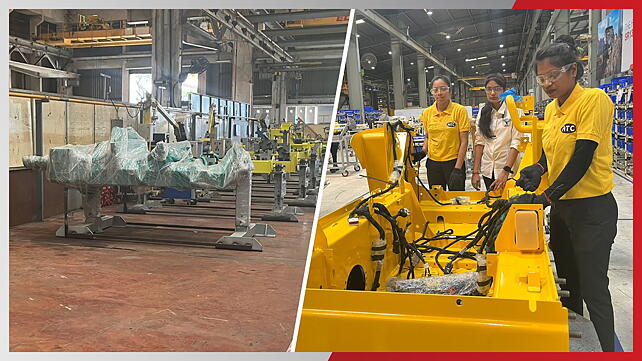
(500, 45)
(411, 63)
(360, 21)
(500, 30)
(389, 52)
(447, 36)
(408, 79)
(358, 36)
(458, 49)
(503, 64)
(429, 12)
(502, 57)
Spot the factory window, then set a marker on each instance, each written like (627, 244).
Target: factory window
(139, 85)
(190, 85)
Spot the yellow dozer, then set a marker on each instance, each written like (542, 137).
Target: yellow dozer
(407, 268)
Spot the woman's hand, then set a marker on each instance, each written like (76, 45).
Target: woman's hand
(500, 182)
(475, 180)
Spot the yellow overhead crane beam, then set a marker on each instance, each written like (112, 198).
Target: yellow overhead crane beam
(346, 310)
(127, 36)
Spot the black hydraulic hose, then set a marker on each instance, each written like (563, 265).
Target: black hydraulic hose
(432, 196)
(363, 201)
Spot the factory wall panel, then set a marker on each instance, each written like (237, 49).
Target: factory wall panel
(104, 115)
(91, 84)
(63, 123)
(20, 130)
(313, 83)
(54, 199)
(219, 80)
(22, 202)
(54, 125)
(80, 123)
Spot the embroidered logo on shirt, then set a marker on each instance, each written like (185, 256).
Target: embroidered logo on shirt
(451, 124)
(568, 128)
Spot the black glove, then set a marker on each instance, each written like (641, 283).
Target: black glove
(457, 180)
(530, 198)
(417, 156)
(530, 177)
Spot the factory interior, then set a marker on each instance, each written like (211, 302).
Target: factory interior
(164, 173)
(392, 58)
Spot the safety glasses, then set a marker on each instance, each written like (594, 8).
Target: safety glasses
(496, 89)
(442, 89)
(552, 75)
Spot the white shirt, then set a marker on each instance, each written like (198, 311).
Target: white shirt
(496, 149)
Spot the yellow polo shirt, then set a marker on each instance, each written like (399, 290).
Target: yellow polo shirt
(586, 114)
(442, 130)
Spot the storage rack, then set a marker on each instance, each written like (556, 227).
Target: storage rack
(620, 90)
(371, 115)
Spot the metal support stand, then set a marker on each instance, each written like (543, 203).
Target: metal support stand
(348, 158)
(280, 211)
(305, 199)
(243, 238)
(313, 174)
(94, 221)
(144, 205)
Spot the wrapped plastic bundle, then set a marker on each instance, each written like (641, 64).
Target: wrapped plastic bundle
(124, 160)
(464, 284)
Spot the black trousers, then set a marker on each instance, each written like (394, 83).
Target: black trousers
(488, 181)
(439, 173)
(582, 233)
(334, 149)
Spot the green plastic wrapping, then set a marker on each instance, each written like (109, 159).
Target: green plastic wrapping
(124, 160)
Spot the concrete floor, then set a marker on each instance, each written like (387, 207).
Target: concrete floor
(110, 294)
(340, 190)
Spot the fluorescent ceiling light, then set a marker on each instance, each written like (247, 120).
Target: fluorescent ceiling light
(360, 21)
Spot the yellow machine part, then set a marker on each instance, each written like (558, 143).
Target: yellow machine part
(521, 311)
(266, 166)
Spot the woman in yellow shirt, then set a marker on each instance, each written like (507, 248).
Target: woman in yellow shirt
(577, 155)
(446, 125)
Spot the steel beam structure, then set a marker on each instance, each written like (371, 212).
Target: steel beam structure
(166, 56)
(385, 25)
(40, 71)
(238, 24)
(315, 30)
(421, 81)
(297, 15)
(353, 72)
